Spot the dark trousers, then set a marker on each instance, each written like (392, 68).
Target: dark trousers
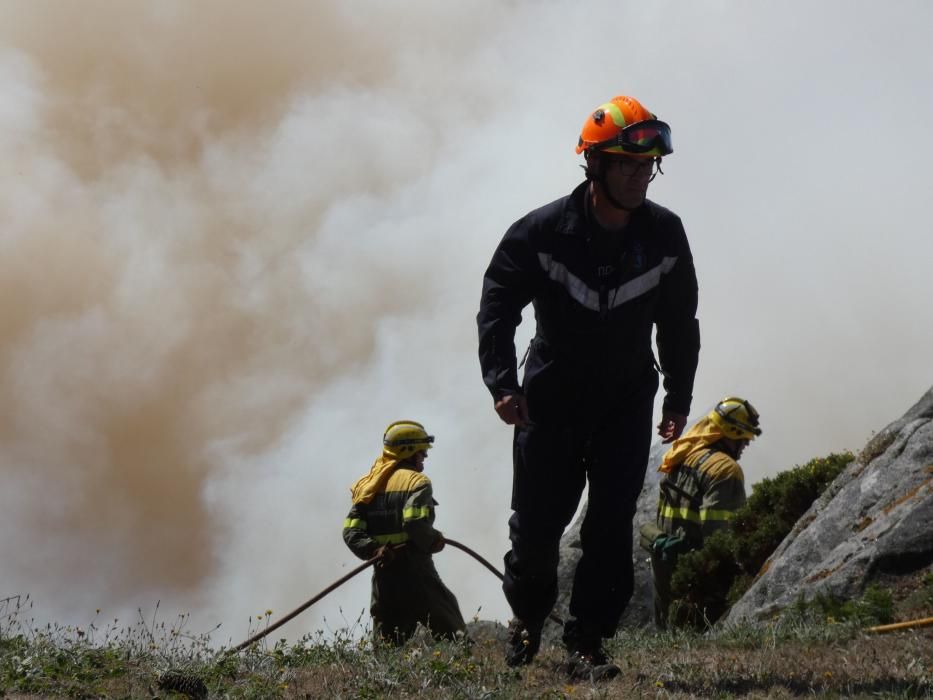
(552, 464)
(409, 591)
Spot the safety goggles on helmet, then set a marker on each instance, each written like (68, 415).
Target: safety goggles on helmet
(407, 436)
(424, 441)
(640, 137)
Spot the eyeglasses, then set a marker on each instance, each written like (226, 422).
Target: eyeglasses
(633, 167)
(641, 137)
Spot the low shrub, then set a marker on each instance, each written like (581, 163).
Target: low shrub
(707, 581)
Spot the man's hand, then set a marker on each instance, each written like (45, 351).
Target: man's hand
(671, 426)
(438, 544)
(513, 409)
(386, 555)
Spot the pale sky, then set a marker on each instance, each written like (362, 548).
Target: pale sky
(237, 241)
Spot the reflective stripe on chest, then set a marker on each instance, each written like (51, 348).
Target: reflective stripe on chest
(588, 297)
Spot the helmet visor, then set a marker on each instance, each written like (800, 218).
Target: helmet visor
(641, 137)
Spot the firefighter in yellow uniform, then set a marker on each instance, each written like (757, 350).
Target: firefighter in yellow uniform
(702, 488)
(393, 517)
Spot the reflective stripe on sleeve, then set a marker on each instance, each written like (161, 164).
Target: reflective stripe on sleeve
(354, 524)
(416, 513)
(704, 515)
(710, 514)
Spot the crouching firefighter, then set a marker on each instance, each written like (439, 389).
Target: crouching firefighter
(393, 517)
(702, 488)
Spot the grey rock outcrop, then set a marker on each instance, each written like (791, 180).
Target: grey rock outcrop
(876, 517)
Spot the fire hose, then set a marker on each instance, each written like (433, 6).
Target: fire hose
(909, 624)
(457, 545)
(195, 686)
(343, 579)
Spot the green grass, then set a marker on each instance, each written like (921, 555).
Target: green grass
(810, 650)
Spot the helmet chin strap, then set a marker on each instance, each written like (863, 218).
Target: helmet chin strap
(612, 200)
(600, 179)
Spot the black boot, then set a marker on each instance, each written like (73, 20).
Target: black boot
(523, 643)
(586, 658)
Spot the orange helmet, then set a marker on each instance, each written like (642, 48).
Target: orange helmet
(623, 125)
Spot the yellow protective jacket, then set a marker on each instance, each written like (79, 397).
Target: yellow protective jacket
(406, 591)
(402, 510)
(700, 495)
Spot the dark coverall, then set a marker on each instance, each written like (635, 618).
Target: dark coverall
(408, 589)
(697, 498)
(590, 380)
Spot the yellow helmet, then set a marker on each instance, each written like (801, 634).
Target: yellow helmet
(737, 418)
(403, 438)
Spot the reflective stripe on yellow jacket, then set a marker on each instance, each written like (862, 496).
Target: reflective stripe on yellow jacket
(402, 512)
(701, 495)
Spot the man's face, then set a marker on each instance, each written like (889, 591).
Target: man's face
(627, 177)
(418, 460)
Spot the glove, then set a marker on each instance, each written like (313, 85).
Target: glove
(649, 534)
(670, 547)
(438, 544)
(386, 555)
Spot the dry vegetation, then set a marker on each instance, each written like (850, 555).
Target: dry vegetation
(806, 652)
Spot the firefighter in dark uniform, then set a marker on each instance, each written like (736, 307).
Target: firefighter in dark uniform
(393, 517)
(603, 267)
(702, 488)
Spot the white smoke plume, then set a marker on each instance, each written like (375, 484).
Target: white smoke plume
(237, 240)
